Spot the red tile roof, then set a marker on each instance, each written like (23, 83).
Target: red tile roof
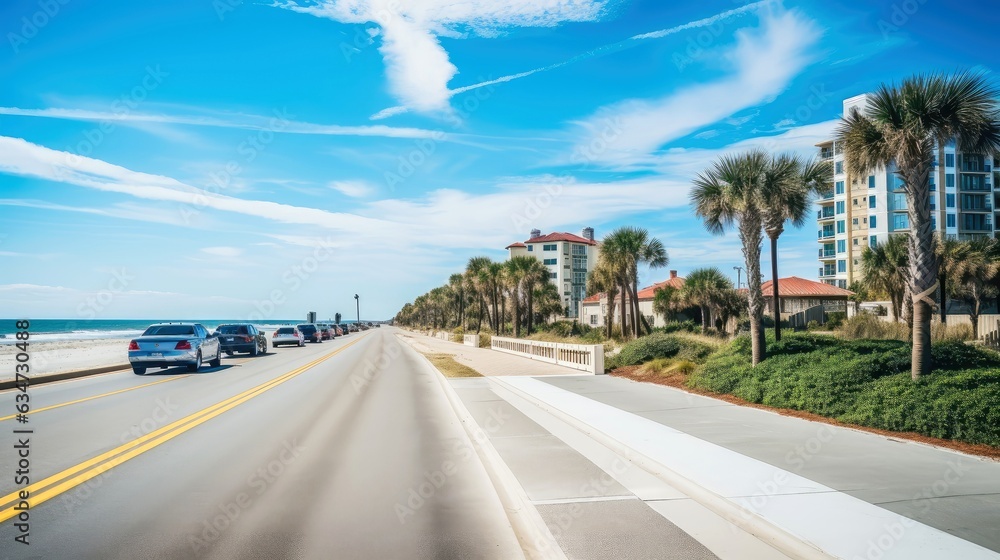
(594, 298)
(793, 286)
(646, 293)
(676, 282)
(561, 237)
(515, 244)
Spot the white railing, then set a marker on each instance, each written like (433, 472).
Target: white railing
(471, 340)
(584, 357)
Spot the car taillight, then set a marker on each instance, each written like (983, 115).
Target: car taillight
(183, 345)
(248, 338)
(133, 345)
(275, 334)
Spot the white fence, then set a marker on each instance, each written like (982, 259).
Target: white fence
(584, 357)
(471, 340)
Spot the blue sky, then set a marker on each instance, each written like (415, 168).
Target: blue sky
(258, 160)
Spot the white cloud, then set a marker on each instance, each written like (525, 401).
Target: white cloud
(278, 123)
(417, 66)
(353, 189)
(764, 61)
(226, 252)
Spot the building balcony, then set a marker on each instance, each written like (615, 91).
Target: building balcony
(826, 153)
(827, 255)
(828, 195)
(827, 272)
(823, 215)
(824, 235)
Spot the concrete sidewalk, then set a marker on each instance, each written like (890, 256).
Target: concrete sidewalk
(623, 469)
(487, 362)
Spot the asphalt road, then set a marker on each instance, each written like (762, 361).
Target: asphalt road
(345, 449)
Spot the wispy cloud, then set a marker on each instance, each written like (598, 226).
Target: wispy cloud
(418, 68)
(353, 189)
(225, 252)
(764, 61)
(628, 43)
(279, 122)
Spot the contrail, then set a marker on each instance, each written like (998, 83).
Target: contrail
(632, 41)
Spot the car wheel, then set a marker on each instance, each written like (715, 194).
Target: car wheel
(263, 347)
(302, 343)
(255, 350)
(229, 353)
(218, 359)
(138, 370)
(197, 363)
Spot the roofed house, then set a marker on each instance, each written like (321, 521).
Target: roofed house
(594, 308)
(803, 300)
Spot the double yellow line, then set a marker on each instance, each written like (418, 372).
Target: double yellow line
(74, 476)
(85, 399)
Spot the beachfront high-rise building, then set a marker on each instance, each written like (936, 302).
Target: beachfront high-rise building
(569, 258)
(861, 211)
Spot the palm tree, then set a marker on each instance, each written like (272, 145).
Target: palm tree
(901, 125)
(706, 288)
(535, 274)
(885, 270)
(953, 257)
(603, 280)
(456, 284)
(665, 301)
(975, 283)
(336, 318)
(476, 274)
(797, 181)
(735, 191)
(627, 248)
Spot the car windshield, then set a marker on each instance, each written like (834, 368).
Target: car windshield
(168, 330)
(286, 330)
(233, 329)
(306, 327)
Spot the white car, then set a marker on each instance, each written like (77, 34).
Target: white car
(287, 336)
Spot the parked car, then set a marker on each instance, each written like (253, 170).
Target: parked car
(310, 332)
(354, 327)
(341, 331)
(326, 330)
(241, 337)
(166, 345)
(290, 336)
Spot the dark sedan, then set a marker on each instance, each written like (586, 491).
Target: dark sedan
(310, 332)
(241, 337)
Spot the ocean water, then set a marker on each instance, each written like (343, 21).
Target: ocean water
(87, 329)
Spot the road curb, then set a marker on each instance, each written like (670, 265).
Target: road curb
(537, 542)
(49, 378)
(767, 532)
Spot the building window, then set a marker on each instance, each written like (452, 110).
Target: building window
(949, 160)
(855, 241)
(841, 226)
(950, 220)
(531, 248)
(900, 221)
(872, 241)
(553, 275)
(949, 200)
(839, 167)
(550, 261)
(871, 202)
(552, 247)
(871, 222)
(871, 181)
(840, 207)
(839, 187)
(949, 180)
(841, 266)
(933, 186)
(899, 201)
(579, 249)
(933, 222)
(841, 245)
(854, 221)
(593, 319)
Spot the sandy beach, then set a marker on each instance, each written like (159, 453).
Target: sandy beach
(65, 355)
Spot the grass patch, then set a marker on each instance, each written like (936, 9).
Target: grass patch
(447, 365)
(867, 383)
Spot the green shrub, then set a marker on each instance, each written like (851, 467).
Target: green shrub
(679, 326)
(813, 325)
(868, 326)
(484, 339)
(867, 382)
(646, 348)
(593, 336)
(835, 319)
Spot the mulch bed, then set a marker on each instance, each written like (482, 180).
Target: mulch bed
(679, 381)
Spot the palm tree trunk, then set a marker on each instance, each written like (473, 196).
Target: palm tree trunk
(530, 312)
(623, 291)
(944, 300)
(774, 287)
(636, 326)
(482, 309)
(704, 318)
(923, 261)
(752, 239)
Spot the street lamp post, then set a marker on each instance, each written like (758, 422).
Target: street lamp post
(738, 270)
(357, 301)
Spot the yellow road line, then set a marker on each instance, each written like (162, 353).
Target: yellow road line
(61, 482)
(96, 397)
